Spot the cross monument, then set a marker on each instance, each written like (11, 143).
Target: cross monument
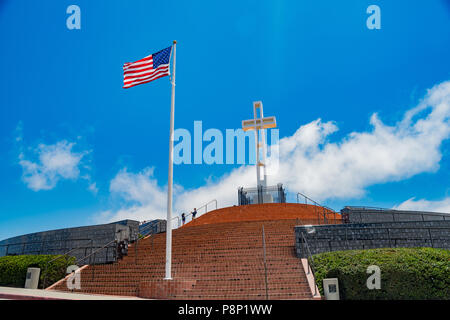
(260, 124)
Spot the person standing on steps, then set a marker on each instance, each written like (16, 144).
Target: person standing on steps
(183, 218)
(194, 213)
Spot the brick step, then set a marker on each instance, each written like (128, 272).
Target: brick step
(250, 287)
(223, 261)
(232, 232)
(272, 278)
(195, 265)
(270, 270)
(260, 276)
(246, 291)
(252, 238)
(278, 269)
(222, 246)
(233, 253)
(198, 266)
(182, 274)
(203, 246)
(105, 284)
(210, 249)
(261, 296)
(157, 256)
(299, 287)
(229, 235)
(225, 248)
(237, 254)
(110, 291)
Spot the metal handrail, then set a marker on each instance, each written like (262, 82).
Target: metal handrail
(306, 198)
(150, 226)
(44, 281)
(203, 206)
(178, 218)
(93, 253)
(400, 228)
(136, 243)
(370, 208)
(325, 208)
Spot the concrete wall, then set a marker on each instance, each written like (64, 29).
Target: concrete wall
(365, 214)
(87, 239)
(326, 238)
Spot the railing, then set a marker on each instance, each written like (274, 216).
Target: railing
(136, 243)
(178, 219)
(205, 206)
(325, 210)
(150, 227)
(261, 194)
(93, 253)
(107, 246)
(395, 214)
(44, 281)
(310, 260)
(367, 208)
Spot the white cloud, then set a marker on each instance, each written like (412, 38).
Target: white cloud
(425, 205)
(313, 165)
(93, 188)
(145, 199)
(53, 163)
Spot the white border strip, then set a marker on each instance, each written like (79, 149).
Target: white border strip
(311, 280)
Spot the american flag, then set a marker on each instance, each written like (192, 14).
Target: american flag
(150, 68)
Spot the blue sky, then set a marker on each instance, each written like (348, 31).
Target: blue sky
(76, 148)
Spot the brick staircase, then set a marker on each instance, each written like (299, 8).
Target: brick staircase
(306, 214)
(212, 260)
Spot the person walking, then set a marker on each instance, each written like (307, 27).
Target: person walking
(183, 218)
(194, 213)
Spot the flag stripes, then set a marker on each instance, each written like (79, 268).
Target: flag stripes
(150, 68)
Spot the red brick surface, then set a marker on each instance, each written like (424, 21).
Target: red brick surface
(218, 256)
(269, 211)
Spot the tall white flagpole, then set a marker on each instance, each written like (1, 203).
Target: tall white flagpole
(170, 180)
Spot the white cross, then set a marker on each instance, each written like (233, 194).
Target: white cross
(258, 124)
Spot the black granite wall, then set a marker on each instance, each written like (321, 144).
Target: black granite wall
(83, 240)
(324, 238)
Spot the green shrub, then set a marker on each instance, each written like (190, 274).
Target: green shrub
(13, 269)
(406, 273)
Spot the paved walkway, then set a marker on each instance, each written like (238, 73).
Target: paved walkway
(29, 294)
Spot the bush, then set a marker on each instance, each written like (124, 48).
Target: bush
(13, 269)
(406, 273)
